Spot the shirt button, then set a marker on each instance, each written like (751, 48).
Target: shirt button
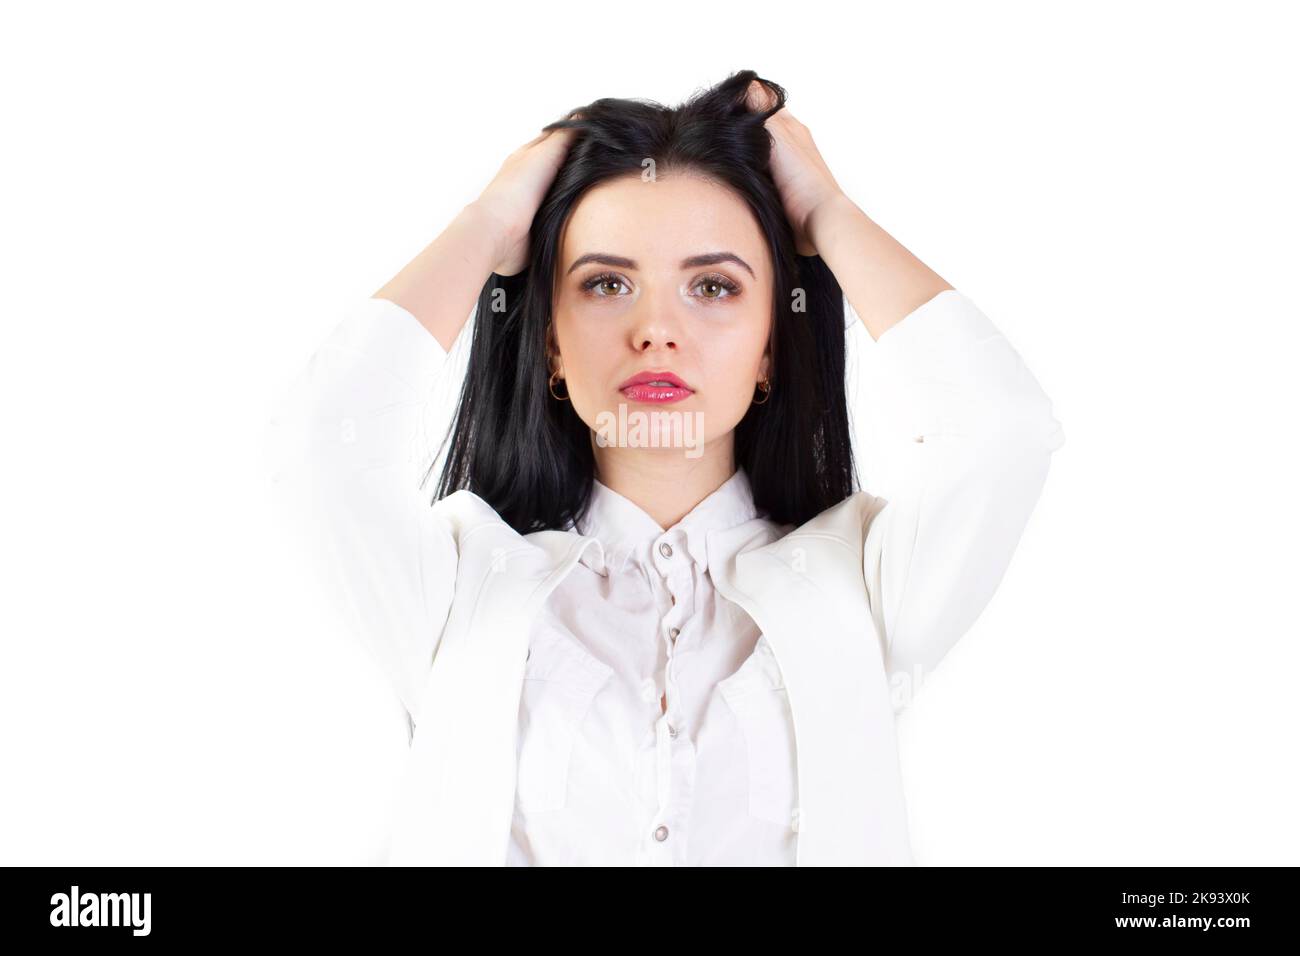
(673, 632)
(672, 731)
(661, 833)
(666, 549)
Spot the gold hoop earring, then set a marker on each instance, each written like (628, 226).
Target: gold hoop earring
(551, 385)
(766, 386)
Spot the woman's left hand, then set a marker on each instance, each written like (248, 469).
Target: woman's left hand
(802, 176)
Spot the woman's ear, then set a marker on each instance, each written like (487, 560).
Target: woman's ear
(554, 361)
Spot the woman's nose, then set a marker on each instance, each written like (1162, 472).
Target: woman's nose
(655, 328)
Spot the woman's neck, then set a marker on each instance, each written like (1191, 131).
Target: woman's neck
(663, 482)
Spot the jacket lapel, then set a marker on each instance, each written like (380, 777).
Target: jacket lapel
(456, 799)
(806, 593)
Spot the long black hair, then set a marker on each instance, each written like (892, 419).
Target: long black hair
(528, 455)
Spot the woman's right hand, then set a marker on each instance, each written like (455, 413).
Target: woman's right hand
(513, 197)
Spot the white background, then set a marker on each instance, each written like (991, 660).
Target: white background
(194, 193)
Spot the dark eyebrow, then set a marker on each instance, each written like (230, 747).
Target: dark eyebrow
(622, 262)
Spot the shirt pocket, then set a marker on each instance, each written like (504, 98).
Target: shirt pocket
(757, 698)
(561, 678)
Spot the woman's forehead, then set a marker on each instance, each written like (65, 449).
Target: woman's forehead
(661, 221)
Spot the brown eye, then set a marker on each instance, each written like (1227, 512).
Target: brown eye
(717, 287)
(597, 286)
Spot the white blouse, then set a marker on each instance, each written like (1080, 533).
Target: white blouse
(654, 727)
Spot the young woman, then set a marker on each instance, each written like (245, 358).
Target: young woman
(647, 618)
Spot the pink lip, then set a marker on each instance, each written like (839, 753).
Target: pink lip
(638, 389)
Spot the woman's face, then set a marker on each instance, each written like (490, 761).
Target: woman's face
(634, 294)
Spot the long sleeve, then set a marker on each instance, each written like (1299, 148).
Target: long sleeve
(347, 455)
(965, 436)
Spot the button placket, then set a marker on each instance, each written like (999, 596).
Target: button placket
(680, 582)
(672, 791)
(672, 578)
(663, 764)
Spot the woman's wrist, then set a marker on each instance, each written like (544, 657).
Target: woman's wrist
(828, 218)
(492, 229)
(441, 285)
(880, 277)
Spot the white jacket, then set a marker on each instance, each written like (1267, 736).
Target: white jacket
(858, 605)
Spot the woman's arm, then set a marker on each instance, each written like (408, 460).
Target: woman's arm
(440, 285)
(962, 436)
(961, 431)
(348, 443)
(882, 280)
(348, 452)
